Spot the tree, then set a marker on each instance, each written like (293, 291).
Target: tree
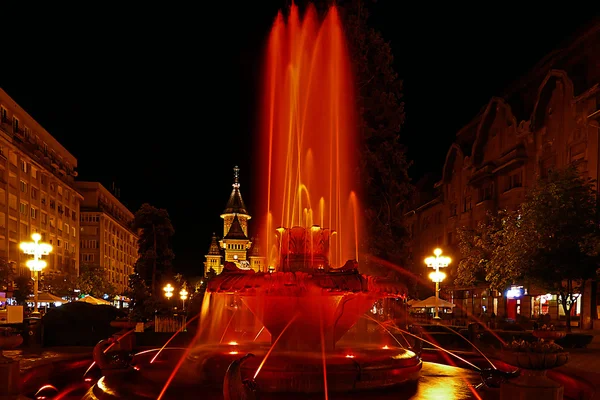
(6, 273)
(477, 248)
(59, 284)
(92, 280)
(383, 164)
(23, 288)
(142, 304)
(154, 247)
(551, 242)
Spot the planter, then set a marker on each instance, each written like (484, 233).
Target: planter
(549, 336)
(534, 361)
(532, 383)
(8, 341)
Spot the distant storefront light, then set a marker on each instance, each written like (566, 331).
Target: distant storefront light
(514, 292)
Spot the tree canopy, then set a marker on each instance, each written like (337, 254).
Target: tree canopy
(383, 164)
(92, 280)
(550, 243)
(154, 244)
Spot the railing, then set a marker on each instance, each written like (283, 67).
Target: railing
(169, 324)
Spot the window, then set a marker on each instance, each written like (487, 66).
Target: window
(44, 218)
(23, 187)
(87, 257)
(60, 190)
(33, 213)
(3, 114)
(467, 204)
(514, 180)
(23, 166)
(23, 208)
(452, 209)
(34, 193)
(52, 221)
(12, 201)
(34, 172)
(486, 192)
(16, 124)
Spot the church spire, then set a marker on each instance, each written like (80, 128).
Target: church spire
(236, 177)
(235, 204)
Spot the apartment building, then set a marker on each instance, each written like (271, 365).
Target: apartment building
(106, 237)
(547, 120)
(37, 192)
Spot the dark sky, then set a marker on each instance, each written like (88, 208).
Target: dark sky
(160, 99)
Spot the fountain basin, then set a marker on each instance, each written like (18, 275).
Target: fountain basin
(300, 308)
(362, 368)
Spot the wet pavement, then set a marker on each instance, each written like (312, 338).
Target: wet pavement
(32, 358)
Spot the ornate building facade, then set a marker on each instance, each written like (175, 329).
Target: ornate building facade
(37, 192)
(235, 246)
(547, 120)
(107, 239)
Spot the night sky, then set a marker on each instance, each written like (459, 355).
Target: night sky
(161, 99)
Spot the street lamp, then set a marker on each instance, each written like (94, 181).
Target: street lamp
(183, 295)
(37, 250)
(169, 291)
(436, 276)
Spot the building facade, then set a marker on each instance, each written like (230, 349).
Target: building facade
(548, 120)
(235, 246)
(106, 237)
(37, 192)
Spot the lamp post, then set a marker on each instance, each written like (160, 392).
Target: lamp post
(168, 291)
(183, 295)
(436, 276)
(37, 250)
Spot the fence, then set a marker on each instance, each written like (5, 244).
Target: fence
(169, 324)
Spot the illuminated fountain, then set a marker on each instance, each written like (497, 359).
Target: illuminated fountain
(311, 292)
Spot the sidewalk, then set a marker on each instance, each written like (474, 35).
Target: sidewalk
(585, 363)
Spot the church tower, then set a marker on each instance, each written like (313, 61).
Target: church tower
(235, 242)
(257, 260)
(214, 259)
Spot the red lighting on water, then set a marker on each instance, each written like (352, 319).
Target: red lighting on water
(309, 136)
(233, 352)
(385, 347)
(233, 343)
(349, 356)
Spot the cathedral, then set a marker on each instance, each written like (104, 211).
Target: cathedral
(235, 246)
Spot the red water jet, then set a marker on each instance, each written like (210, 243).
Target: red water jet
(308, 134)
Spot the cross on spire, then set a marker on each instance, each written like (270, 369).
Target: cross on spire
(236, 177)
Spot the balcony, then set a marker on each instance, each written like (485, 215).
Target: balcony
(481, 174)
(513, 158)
